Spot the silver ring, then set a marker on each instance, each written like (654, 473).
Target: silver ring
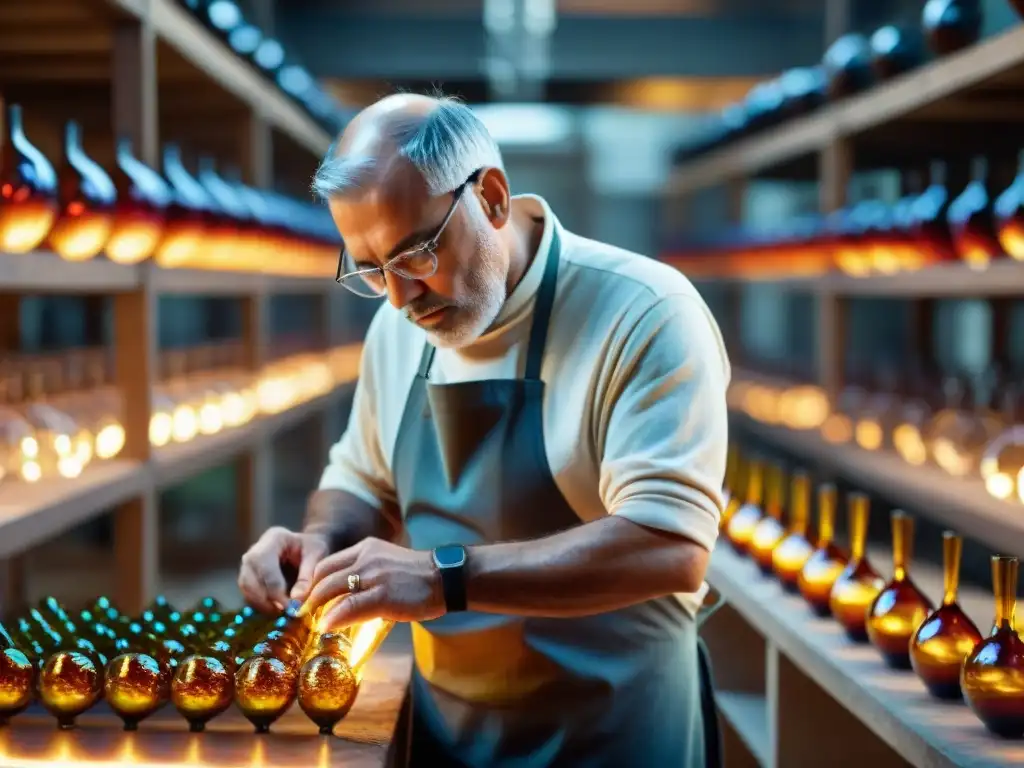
(353, 582)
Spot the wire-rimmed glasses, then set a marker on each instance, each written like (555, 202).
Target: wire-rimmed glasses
(416, 263)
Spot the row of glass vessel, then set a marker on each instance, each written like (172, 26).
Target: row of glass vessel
(59, 415)
(133, 213)
(201, 660)
(964, 439)
(976, 226)
(939, 643)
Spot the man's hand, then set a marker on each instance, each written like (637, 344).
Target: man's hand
(394, 583)
(261, 580)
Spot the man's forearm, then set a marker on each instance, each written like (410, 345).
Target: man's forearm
(347, 519)
(593, 568)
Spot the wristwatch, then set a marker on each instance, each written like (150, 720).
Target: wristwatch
(450, 560)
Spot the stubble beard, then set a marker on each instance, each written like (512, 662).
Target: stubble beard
(486, 290)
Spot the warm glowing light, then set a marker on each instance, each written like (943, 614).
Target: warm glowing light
(31, 472)
(24, 227)
(185, 424)
(869, 435)
(1011, 237)
(161, 429)
(837, 429)
(1000, 486)
(133, 241)
(110, 441)
(906, 438)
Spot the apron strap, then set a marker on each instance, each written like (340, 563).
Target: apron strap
(426, 360)
(708, 708)
(542, 307)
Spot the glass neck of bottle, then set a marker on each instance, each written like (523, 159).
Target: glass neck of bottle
(952, 546)
(902, 544)
(858, 526)
(798, 505)
(754, 485)
(1004, 585)
(826, 516)
(774, 499)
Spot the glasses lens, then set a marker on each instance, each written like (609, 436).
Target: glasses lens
(369, 284)
(416, 265)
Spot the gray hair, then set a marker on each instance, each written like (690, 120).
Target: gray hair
(446, 146)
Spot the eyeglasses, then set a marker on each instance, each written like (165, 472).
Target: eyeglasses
(417, 263)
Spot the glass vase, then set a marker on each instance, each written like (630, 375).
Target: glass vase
(859, 584)
(993, 674)
(827, 561)
(769, 531)
(900, 607)
(741, 525)
(793, 552)
(947, 636)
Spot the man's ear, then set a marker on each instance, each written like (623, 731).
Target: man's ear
(492, 190)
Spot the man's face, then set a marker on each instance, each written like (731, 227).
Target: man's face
(464, 296)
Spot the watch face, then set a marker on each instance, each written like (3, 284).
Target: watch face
(450, 556)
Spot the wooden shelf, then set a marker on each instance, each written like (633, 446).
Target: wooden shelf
(892, 704)
(45, 272)
(33, 513)
(1000, 58)
(194, 42)
(1001, 278)
(747, 713)
(962, 504)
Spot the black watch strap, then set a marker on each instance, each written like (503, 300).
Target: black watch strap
(451, 562)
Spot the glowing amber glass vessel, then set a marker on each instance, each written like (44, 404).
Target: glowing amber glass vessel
(266, 682)
(135, 686)
(793, 552)
(993, 674)
(332, 670)
(202, 688)
(947, 636)
(1009, 208)
(736, 493)
(28, 188)
(17, 675)
(859, 583)
(69, 684)
(827, 561)
(900, 607)
(769, 530)
(86, 197)
(742, 523)
(142, 197)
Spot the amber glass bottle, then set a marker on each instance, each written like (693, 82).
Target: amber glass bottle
(859, 583)
(769, 530)
(17, 675)
(266, 682)
(28, 188)
(741, 525)
(135, 686)
(947, 636)
(69, 684)
(993, 674)
(827, 561)
(900, 607)
(793, 552)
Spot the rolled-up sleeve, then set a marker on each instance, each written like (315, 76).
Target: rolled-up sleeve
(356, 463)
(663, 428)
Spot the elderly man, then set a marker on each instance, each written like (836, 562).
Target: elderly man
(531, 473)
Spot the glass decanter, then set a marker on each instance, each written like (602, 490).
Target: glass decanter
(185, 224)
(793, 552)
(142, 199)
(741, 525)
(859, 583)
(28, 188)
(1003, 458)
(769, 530)
(838, 427)
(880, 415)
(950, 25)
(957, 436)
(51, 449)
(1009, 209)
(947, 636)
(993, 674)
(972, 220)
(87, 198)
(900, 608)
(15, 430)
(827, 561)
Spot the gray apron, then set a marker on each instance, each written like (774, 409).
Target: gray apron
(618, 689)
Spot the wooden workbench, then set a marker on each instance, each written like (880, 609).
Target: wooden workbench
(373, 734)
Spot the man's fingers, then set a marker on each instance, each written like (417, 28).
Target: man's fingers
(339, 561)
(253, 590)
(358, 606)
(313, 553)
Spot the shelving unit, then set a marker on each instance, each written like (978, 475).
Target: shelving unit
(137, 68)
(799, 669)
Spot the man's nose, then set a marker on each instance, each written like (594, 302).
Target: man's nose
(401, 290)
